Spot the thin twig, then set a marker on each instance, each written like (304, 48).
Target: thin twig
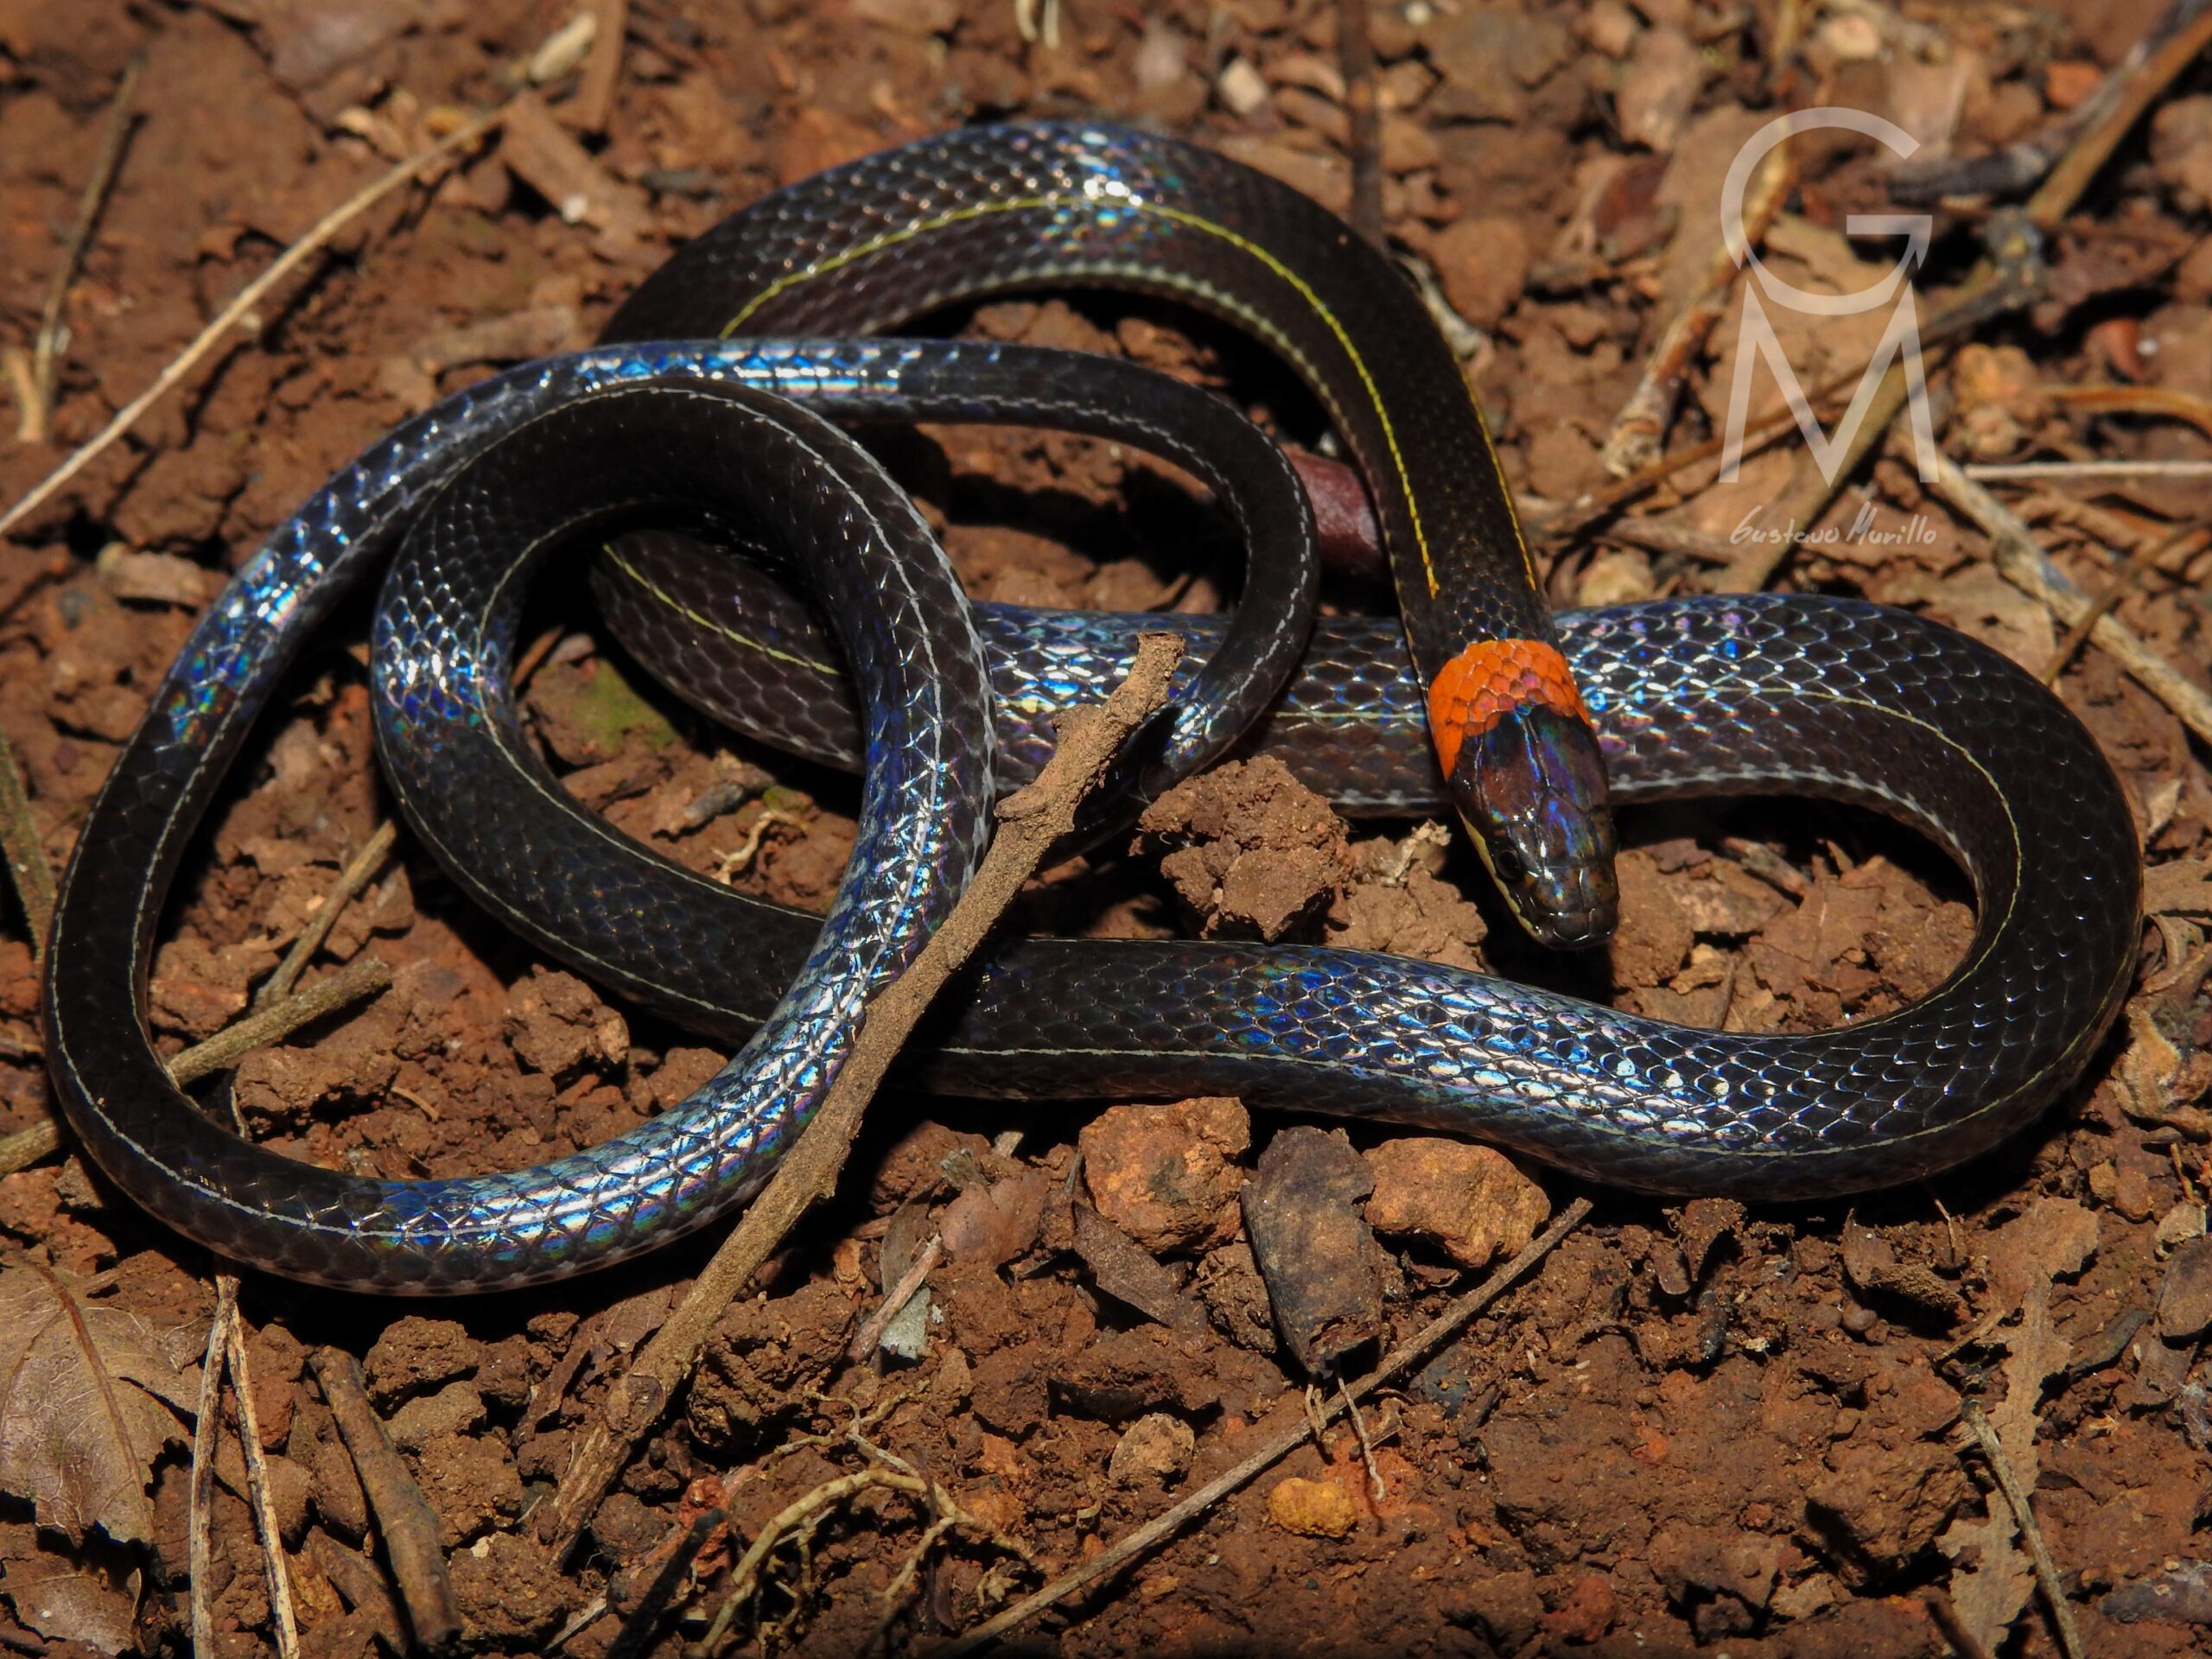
(359, 870)
(2121, 531)
(2054, 1594)
(356, 980)
(1642, 424)
(248, 297)
(1573, 518)
(1790, 21)
(2164, 403)
(1166, 1526)
(595, 98)
(636, 1637)
(46, 348)
(403, 1516)
(2010, 278)
(1355, 58)
(1366, 1446)
(1955, 1630)
(2018, 166)
(2039, 471)
(894, 1593)
(199, 1505)
(533, 656)
(747, 1573)
(22, 375)
(286, 1622)
(227, 1342)
(1031, 821)
(2144, 557)
(2022, 562)
(272, 1023)
(26, 853)
(895, 1299)
(25, 1147)
(807, 1510)
(2086, 157)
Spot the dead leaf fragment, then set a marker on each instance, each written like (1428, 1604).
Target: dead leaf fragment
(87, 1595)
(2185, 1299)
(2053, 1240)
(1127, 1273)
(995, 1224)
(82, 1411)
(2144, 1077)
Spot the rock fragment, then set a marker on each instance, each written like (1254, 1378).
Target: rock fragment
(1321, 1264)
(1470, 1201)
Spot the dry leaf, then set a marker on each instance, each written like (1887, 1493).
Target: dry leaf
(1126, 1272)
(88, 1595)
(2185, 1296)
(81, 1411)
(2182, 888)
(2054, 1239)
(2145, 1076)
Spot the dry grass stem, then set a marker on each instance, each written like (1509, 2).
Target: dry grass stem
(895, 1299)
(2022, 562)
(350, 984)
(248, 297)
(360, 870)
(2000, 1467)
(34, 424)
(2045, 472)
(1159, 1530)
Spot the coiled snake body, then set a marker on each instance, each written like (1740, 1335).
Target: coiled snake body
(1751, 694)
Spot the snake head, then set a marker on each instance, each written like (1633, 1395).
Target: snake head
(1531, 790)
(1522, 765)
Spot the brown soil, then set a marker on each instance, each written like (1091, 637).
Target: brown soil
(1693, 1427)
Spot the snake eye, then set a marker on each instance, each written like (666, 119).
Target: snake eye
(1506, 865)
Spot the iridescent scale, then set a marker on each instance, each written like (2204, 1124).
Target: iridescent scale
(1755, 694)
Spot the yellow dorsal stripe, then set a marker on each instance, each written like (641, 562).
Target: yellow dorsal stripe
(924, 226)
(700, 618)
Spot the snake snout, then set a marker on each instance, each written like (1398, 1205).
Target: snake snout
(1532, 792)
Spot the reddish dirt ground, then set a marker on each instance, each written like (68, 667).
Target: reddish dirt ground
(1690, 1428)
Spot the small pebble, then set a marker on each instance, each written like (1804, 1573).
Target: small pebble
(2180, 1224)
(1156, 1448)
(1240, 88)
(1313, 1509)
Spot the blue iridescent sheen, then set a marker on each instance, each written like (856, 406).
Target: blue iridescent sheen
(1809, 695)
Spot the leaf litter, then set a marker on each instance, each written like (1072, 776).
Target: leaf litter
(1685, 1427)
